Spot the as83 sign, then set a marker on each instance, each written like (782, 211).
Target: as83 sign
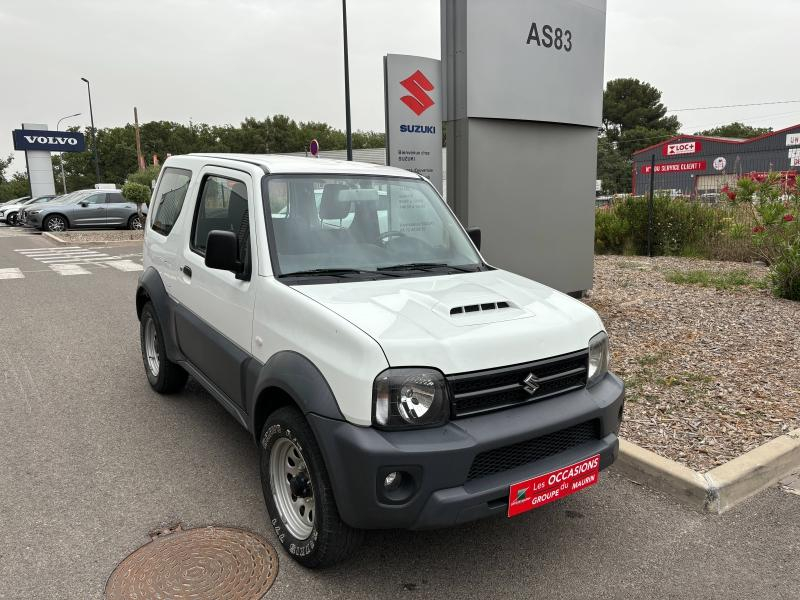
(550, 37)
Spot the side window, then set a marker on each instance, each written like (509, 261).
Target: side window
(222, 205)
(169, 199)
(114, 198)
(95, 199)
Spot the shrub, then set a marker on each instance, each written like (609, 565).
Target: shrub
(785, 271)
(136, 192)
(146, 177)
(680, 227)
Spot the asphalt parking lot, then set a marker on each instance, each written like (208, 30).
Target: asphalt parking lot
(91, 460)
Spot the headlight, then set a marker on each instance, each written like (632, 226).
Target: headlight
(598, 358)
(32, 212)
(409, 398)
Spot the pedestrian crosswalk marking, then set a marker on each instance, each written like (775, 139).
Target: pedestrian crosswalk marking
(12, 273)
(125, 265)
(70, 254)
(70, 270)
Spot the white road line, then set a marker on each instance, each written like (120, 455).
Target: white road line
(70, 270)
(12, 273)
(125, 265)
(35, 250)
(79, 258)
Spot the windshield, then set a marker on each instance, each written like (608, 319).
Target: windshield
(347, 225)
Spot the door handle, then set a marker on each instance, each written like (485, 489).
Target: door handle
(186, 270)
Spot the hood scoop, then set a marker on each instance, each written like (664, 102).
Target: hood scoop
(477, 308)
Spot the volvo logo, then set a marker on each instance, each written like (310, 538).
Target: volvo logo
(530, 384)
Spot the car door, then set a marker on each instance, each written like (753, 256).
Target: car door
(89, 211)
(118, 210)
(214, 316)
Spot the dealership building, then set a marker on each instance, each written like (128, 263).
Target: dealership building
(693, 165)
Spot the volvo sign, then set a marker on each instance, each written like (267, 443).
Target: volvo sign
(412, 86)
(50, 141)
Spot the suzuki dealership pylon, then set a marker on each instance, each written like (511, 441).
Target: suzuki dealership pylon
(523, 87)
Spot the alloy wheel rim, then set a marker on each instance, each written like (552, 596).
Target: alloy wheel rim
(151, 347)
(136, 223)
(291, 486)
(56, 224)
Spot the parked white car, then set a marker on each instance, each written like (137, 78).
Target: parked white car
(391, 377)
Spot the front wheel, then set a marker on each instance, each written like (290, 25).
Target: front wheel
(135, 222)
(11, 219)
(299, 495)
(55, 223)
(164, 376)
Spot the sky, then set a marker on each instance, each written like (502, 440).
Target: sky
(219, 61)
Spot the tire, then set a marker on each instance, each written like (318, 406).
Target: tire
(11, 219)
(55, 223)
(164, 376)
(326, 539)
(135, 222)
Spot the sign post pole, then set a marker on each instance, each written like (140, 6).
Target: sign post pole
(650, 206)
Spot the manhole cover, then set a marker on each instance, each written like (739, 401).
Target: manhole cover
(210, 562)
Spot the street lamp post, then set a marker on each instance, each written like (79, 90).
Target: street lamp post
(94, 133)
(348, 128)
(61, 154)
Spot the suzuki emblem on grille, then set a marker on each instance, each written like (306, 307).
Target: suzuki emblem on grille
(531, 383)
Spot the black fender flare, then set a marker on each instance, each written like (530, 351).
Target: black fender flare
(151, 288)
(298, 378)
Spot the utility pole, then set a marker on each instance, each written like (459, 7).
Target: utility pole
(348, 127)
(139, 155)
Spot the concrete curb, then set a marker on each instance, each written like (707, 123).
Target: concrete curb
(63, 242)
(721, 488)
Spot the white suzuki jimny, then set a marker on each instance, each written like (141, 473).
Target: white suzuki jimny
(391, 377)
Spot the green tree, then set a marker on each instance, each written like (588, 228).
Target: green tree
(633, 117)
(632, 104)
(736, 130)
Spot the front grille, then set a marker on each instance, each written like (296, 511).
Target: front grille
(483, 391)
(510, 457)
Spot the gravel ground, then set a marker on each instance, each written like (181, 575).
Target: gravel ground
(103, 235)
(711, 374)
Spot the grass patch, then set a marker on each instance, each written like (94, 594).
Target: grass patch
(720, 281)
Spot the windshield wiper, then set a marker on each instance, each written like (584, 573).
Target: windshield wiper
(332, 272)
(423, 266)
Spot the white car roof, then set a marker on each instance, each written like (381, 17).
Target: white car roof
(279, 163)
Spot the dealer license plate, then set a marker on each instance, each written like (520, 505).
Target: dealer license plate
(538, 491)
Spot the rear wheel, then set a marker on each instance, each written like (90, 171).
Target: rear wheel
(11, 218)
(299, 495)
(134, 222)
(164, 376)
(55, 223)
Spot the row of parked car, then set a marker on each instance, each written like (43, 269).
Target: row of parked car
(92, 208)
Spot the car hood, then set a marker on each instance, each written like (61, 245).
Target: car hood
(6, 207)
(425, 321)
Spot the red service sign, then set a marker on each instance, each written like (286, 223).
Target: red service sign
(552, 486)
(681, 167)
(680, 148)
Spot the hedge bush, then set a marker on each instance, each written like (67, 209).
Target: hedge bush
(680, 227)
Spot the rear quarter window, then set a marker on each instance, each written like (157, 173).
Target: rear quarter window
(168, 199)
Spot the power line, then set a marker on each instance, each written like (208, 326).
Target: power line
(734, 105)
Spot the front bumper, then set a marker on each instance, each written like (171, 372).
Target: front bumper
(439, 460)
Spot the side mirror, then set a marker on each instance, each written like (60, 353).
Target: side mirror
(84, 204)
(475, 235)
(222, 251)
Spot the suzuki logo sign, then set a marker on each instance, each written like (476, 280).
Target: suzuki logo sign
(681, 148)
(417, 86)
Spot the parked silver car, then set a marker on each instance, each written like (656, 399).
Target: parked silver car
(86, 208)
(9, 212)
